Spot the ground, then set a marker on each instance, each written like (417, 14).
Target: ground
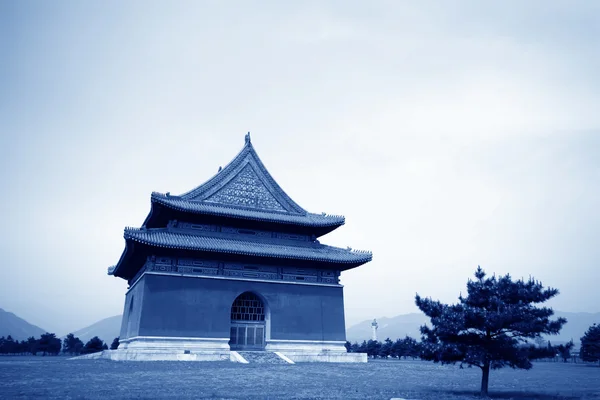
(60, 378)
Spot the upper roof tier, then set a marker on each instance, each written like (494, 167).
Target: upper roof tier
(243, 190)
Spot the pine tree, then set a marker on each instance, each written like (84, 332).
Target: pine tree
(115, 344)
(373, 347)
(490, 327)
(590, 344)
(9, 345)
(348, 346)
(412, 348)
(93, 345)
(32, 345)
(565, 350)
(72, 345)
(397, 349)
(22, 347)
(363, 347)
(386, 348)
(49, 344)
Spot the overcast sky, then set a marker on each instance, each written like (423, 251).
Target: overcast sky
(449, 133)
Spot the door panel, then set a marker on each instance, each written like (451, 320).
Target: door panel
(260, 334)
(250, 336)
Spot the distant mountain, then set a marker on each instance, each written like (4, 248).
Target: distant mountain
(17, 327)
(106, 329)
(408, 324)
(394, 328)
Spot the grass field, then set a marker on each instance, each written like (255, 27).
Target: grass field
(59, 378)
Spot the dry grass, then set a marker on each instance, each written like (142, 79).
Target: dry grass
(58, 378)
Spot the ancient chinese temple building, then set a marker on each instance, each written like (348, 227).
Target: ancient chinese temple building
(234, 265)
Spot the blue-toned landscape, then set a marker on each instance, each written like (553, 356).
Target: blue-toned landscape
(323, 199)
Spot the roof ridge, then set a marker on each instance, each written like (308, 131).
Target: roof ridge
(219, 176)
(310, 219)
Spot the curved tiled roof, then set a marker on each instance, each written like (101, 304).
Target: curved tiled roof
(307, 219)
(246, 158)
(313, 252)
(243, 193)
(244, 189)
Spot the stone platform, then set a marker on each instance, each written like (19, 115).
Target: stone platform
(315, 351)
(217, 349)
(265, 358)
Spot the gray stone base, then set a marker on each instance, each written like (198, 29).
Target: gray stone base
(217, 349)
(190, 344)
(152, 348)
(327, 357)
(132, 355)
(315, 351)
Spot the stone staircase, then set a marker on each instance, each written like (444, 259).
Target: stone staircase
(261, 357)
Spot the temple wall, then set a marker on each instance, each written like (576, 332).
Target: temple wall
(179, 306)
(132, 312)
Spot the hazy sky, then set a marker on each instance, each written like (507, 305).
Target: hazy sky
(449, 133)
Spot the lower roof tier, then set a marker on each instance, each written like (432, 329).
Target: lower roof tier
(311, 252)
(143, 242)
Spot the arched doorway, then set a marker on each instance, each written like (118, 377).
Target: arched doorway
(248, 323)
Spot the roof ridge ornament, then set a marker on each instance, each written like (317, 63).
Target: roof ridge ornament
(247, 138)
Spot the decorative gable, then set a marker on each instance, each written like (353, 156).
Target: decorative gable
(245, 183)
(246, 189)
